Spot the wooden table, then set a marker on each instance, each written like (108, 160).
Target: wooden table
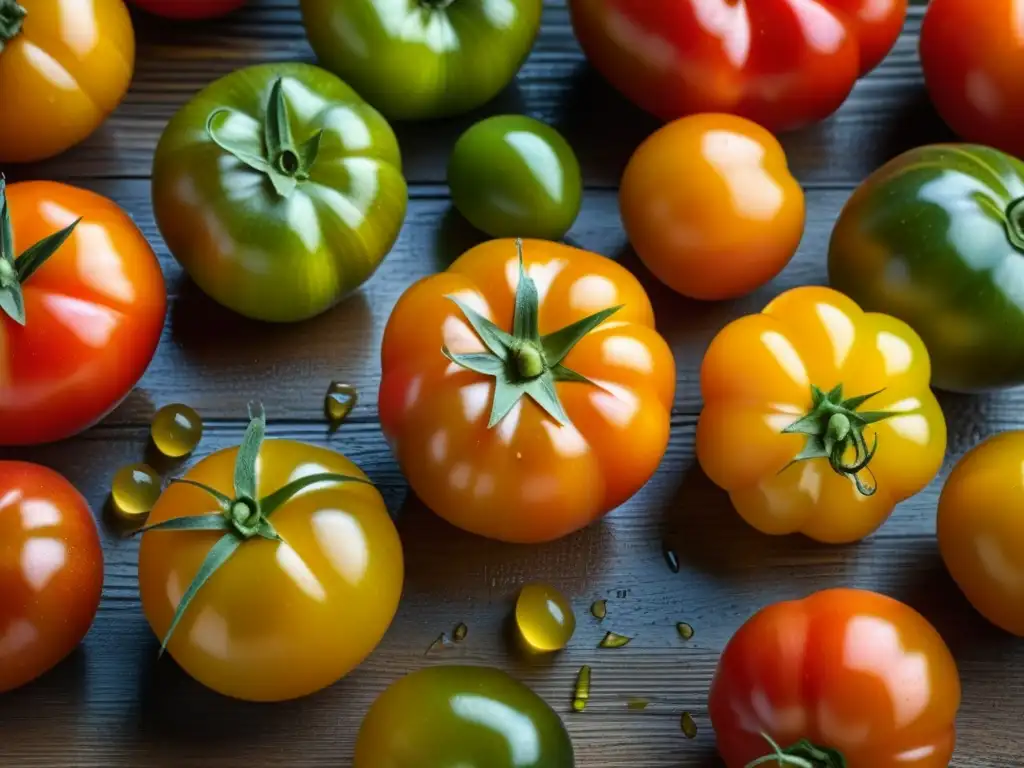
(113, 705)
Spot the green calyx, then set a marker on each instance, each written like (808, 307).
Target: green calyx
(1015, 223)
(284, 162)
(244, 517)
(14, 271)
(832, 427)
(803, 754)
(12, 16)
(524, 362)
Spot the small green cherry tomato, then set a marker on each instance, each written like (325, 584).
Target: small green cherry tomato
(513, 176)
(469, 717)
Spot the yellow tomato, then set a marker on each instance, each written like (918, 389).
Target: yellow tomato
(65, 65)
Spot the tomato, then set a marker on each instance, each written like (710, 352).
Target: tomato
(267, 608)
(710, 206)
(51, 571)
(523, 403)
(981, 528)
(65, 65)
(817, 416)
(860, 676)
(513, 176)
(470, 717)
(417, 59)
(190, 9)
(972, 54)
(935, 237)
(781, 63)
(279, 190)
(77, 332)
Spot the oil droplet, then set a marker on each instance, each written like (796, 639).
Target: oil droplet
(685, 630)
(440, 643)
(135, 489)
(672, 559)
(461, 630)
(638, 704)
(176, 430)
(582, 692)
(339, 401)
(599, 609)
(544, 617)
(688, 725)
(612, 640)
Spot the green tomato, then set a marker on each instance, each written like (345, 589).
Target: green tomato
(469, 717)
(417, 59)
(936, 238)
(279, 190)
(513, 176)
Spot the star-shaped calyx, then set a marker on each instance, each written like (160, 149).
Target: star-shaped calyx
(524, 362)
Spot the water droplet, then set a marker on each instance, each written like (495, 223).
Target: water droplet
(461, 630)
(612, 640)
(685, 630)
(176, 430)
(599, 609)
(582, 692)
(440, 643)
(638, 704)
(688, 725)
(672, 559)
(544, 617)
(339, 401)
(134, 490)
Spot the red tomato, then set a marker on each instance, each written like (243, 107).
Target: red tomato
(51, 571)
(93, 315)
(852, 672)
(972, 53)
(190, 9)
(780, 63)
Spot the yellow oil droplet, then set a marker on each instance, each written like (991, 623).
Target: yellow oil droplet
(685, 630)
(339, 401)
(638, 704)
(688, 725)
(460, 632)
(545, 618)
(135, 489)
(599, 609)
(582, 692)
(176, 430)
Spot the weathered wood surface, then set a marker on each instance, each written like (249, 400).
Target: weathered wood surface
(113, 705)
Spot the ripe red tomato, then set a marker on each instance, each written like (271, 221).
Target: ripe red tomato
(780, 63)
(190, 9)
(51, 571)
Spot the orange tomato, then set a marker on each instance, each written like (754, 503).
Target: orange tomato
(529, 472)
(51, 571)
(710, 206)
(93, 315)
(65, 65)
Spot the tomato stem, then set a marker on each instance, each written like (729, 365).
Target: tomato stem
(529, 360)
(1015, 223)
(803, 754)
(12, 16)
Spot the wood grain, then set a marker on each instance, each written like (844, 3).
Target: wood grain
(112, 705)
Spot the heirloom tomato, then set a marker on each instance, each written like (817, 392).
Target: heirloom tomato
(279, 190)
(935, 237)
(270, 570)
(844, 678)
(65, 65)
(981, 529)
(464, 717)
(972, 53)
(82, 310)
(190, 9)
(51, 571)
(526, 395)
(710, 206)
(417, 59)
(781, 63)
(817, 416)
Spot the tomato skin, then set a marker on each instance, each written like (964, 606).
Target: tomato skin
(190, 9)
(527, 479)
(279, 620)
(781, 63)
(51, 571)
(94, 313)
(849, 670)
(710, 206)
(62, 75)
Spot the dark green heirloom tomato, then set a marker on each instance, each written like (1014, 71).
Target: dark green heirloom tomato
(935, 237)
(417, 59)
(279, 190)
(462, 717)
(513, 176)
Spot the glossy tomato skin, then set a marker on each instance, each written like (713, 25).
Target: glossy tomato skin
(51, 571)
(421, 59)
(279, 620)
(190, 9)
(781, 63)
(94, 313)
(513, 176)
(972, 54)
(268, 257)
(710, 206)
(471, 717)
(850, 670)
(62, 75)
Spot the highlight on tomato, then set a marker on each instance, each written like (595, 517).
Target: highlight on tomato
(711, 207)
(82, 306)
(525, 391)
(270, 570)
(51, 571)
(818, 417)
(190, 9)
(844, 678)
(65, 65)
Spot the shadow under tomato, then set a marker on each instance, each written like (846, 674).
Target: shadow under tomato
(60, 694)
(454, 237)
